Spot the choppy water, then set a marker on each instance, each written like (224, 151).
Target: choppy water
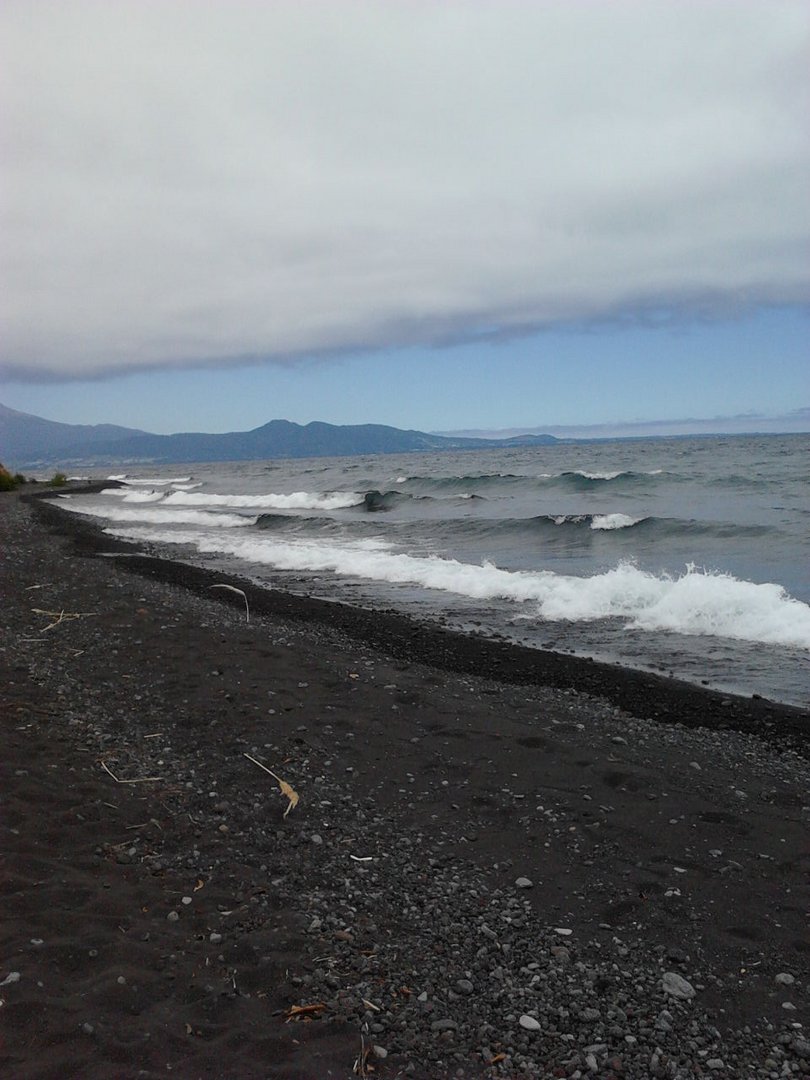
(689, 556)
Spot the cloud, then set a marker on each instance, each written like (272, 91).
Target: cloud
(196, 183)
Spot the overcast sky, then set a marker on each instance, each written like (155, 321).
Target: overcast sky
(307, 196)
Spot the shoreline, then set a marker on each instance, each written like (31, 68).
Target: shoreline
(643, 694)
(487, 874)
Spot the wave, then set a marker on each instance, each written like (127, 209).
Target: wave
(573, 479)
(551, 527)
(695, 603)
(297, 500)
(579, 480)
(455, 484)
(375, 501)
(159, 516)
(294, 523)
(608, 522)
(125, 495)
(155, 481)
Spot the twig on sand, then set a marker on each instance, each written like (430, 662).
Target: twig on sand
(118, 780)
(232, 588)
(61, 616)
(30, 588)
(286, 790)
(361, 1065)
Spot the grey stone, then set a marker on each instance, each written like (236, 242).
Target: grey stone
(529, 1023)
(444, 1025)
(676, 986)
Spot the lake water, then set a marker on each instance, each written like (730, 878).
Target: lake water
(685, 556)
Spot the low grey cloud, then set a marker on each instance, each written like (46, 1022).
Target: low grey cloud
(197, 183)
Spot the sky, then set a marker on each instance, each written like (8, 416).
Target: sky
(457, 215)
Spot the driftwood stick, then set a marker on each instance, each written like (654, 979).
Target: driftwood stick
(141, 780)
(241, 592)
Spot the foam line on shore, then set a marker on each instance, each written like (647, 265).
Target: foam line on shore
(407, 640)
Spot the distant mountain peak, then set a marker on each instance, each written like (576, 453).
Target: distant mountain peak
(27, 440)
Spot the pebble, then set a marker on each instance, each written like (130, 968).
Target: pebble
(173, 916)
(676, 986)
(784, 979)
(475, 970)
(444, 1025)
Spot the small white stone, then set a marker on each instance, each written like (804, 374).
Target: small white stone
(784, 979)
(529, 1023)
(563, 931)
(523, 883)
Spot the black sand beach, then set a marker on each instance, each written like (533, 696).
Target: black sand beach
(503, 863)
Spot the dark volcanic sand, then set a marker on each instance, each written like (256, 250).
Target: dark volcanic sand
(665, 826)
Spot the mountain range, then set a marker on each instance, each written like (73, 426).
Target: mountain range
(28, 441)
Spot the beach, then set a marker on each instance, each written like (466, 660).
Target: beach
(501, 862)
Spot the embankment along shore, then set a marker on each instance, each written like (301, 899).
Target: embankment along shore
(501, 862)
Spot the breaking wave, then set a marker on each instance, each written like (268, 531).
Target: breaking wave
(159, 516)
(297, 500)
(696, 602)
(572, 480)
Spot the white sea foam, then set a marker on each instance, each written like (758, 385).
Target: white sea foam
(298, 500)
(118, 476)
(159, 516)
(187, 487)
(613, 521)
(136, 496)
(597, 475)
(696, 602)
(155, 481)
